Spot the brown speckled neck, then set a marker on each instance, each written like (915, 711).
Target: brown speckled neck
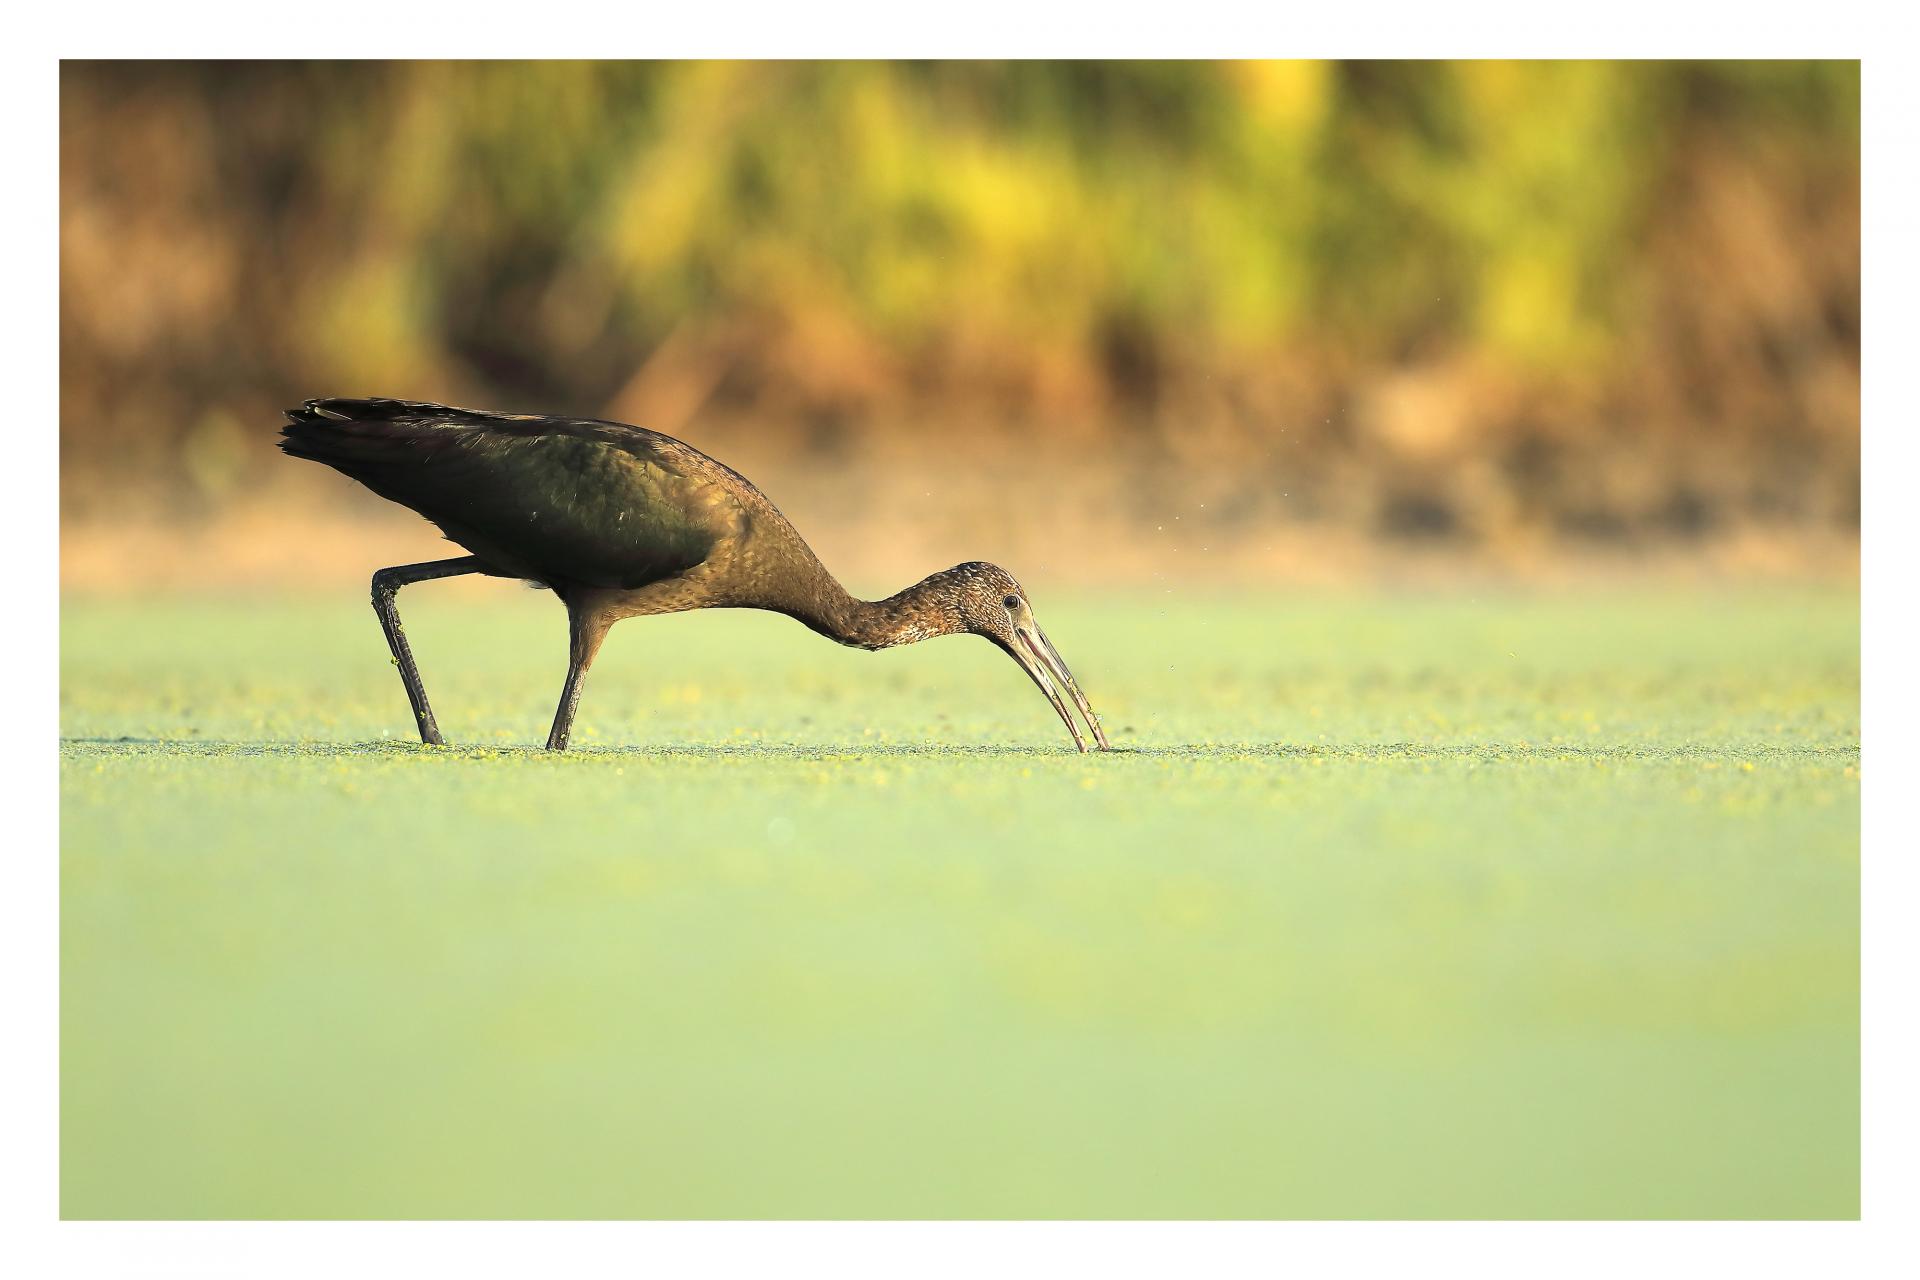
(922, 611)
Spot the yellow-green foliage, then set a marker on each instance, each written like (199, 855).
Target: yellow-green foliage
(1534, 287)
(1231, 201)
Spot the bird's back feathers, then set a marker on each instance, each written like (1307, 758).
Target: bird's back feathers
(557, 500)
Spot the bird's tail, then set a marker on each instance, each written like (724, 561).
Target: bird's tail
(346, 433)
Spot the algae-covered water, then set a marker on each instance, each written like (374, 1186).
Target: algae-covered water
(1389, 906)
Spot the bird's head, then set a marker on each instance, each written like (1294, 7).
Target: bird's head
(989, 602)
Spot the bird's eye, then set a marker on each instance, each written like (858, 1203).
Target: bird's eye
(1012, 602)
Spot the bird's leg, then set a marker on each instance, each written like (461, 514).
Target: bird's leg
(588, 627)
(386, 584)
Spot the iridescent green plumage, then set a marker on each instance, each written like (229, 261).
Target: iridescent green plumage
(556, 500)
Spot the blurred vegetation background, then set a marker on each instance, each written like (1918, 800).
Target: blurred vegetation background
(1135, 318)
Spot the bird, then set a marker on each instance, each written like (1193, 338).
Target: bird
(618, 522)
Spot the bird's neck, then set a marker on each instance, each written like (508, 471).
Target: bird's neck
(920, 612)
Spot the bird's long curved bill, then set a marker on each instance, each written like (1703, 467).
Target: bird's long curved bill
(1043, 663)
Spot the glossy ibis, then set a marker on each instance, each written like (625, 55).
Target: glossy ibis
(619, 521)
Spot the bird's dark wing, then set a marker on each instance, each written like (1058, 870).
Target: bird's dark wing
(559, 500)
